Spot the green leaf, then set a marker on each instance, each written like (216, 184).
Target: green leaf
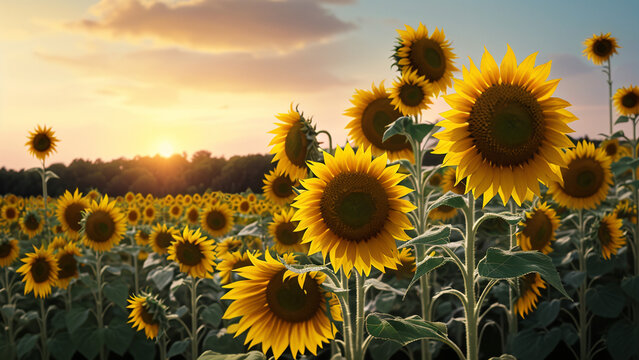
(622, 119)
(631, 287)
(117, 292)
(617, 340)
(437, 235)
(223, 342)
(597, 266)
(419, 131)
(606, 301)
(251, 355)
(75, 317)
(397, 127)
(142, 348)
(25, 344)
(382, 286)
(569, 333)
(404, 331)
(161, 276)
(383, 350)
(252, 229)
(428, 264)
(547, 312)
(118, 336)
(510, 218)
(529, 344)
(88, 342)
(449, 199)
(503, 357)
(505, 264)
(61, 346)
(574, 278)
(385, 301)
(178, 347)
(212, 315)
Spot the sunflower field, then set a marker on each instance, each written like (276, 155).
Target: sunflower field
(521, 244)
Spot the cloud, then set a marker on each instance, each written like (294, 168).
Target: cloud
(216, 25)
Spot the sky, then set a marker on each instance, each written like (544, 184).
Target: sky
(120, 78)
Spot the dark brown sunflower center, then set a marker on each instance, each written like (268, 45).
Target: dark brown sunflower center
(539, 230)
(41, 142)
(175, 210)
(286, 235)
(216, 220)
(630, 100)
(133, 215)
(602, 47)
(282, 186)
(611, 149)
(10, 213)
(31, 222)
(290, 302)
(164, 240)
(100, 226)
(144, 235)
(354, 206)
(193, 215)
(242, 263)
(507, 125)
(411, 95)
(377, 115)
(435, 180)
(146, 316)
(526, 283)
(73, 216)
(129, 197)
(149, 212)
(189, 254)
(40, 270)
(68, 266)
(583, 177)
(244, 206)
(296, 145)
(446, 209)
(5, 250)
(603, 233)
(427, 57)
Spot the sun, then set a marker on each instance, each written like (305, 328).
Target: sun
(165, 149)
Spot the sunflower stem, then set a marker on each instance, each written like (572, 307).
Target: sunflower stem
(635, 194)
(98, 299)
(472, 346)
(162, 346)
(330, 140)
(581, 293)
(136, 275)
(510, 314)
(346, 314)
(44, 198)
(359, 317)
(194, 342)
(609, 93)
(44, 349)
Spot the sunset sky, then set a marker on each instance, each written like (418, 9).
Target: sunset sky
(119, 78)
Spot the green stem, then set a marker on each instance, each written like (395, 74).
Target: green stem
(359, 317)
(194, 347)
(98, 300)
(581, 292)
(162, 346)
(472, 346)
(510, 314)
(330, 140)
(346, 314)
(44, 348)
(136, 273)
(7, 285)
(67, 299)
(44, 198)
(609, 94)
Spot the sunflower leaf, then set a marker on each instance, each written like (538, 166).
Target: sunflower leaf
(381, 286)
(252, 229)
(606, 301)
(631, 287)
(419, 131)
(450, 199)
(618, 345)
(178, 347)
(75, 317)
(622, 119)
(397, 127)
(251, 355)
(26, 343)
(437, 235)
(212, 315)
(505, 264)
(404, 331)
(428, 264)
(510, 218)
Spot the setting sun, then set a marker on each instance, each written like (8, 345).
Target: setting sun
(165, 149)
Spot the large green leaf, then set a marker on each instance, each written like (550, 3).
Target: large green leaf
(25, 344)
(510, 218)
(382, 286)
(605, 300)
(397, 127)
(117, 292)
(426, 265)
(449, 199)
(547, 312)
(404, 331)
(88, 341)
(618, 338)
(178, 347)
(437, 235)
(212, 314)
(75, 317)
(161, 276)
(251, 355)
(631, 287)
(118, 336)
(142, 348)
(505, 264)
(61, 346)
(529, 344)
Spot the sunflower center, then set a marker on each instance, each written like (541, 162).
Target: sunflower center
(100, 227)
(215, 220)
(189, 254)
(164, 240)
(149, 212)
(31, 222)
(5, 250)
(295, 145)
(507, 125)
(73, 216)
(630, 100)
(40, 270)
(583, 177)
(602, 47)
(282, 187)
(146, 316)
(68, 266)
(41, 142)
(354, 206)
(611, 149)
(133, 216)
(377, 115)
(289, 301)
(539, 230)
(175, 210)
(604, 234)
(445, 208)
(144, 235)
(192, 215)
(285, 233)
(427, 57)
(244, 206)
(411, 95)
(10, 213)
(526, 282)
(242, 263)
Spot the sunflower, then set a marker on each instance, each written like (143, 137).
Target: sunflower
(626, 210)
(41, 142)
(176, 210)
(285, 238)
(372, 111)
(614, 150)
(9, 213)
(586, 180)
(599, 48)
(353, 210)
(295, 142)
(93, 195)
(187, 200)
(149, 213)
(142, 255)
(450, 183)
(505, 133)
(436, 179)
(228, 245)
(610, 235)
(30, 224)
(142, 236)
(627, 100)
(133, 216)
(40, 272)
(69, 212)
(192, 215)
(162, 237)
(147, 313)
(103, 225)
(58, 243)
(282, 309)
(406, 264)
(129, 197)
(217, 220)
(244, 206)
(442, 213)
(529, 293)
(197, 198)
(411, 93)
(538, 229)
(68, 264)
(193, 252)
(232, 261)
(278, 187)
(9, 251)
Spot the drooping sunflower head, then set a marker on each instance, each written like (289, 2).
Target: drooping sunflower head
(232, 261)
(431, 57)
(614, 150)
(161, 238)
(626, 210)
(505, 133)
(281, 309)
(278, 188)
(411, 93)
(133, 215)
(103, 225)
(40, 272)
(192, 215)
(217, 220)
(626, 100)
(406, 264)
(611, 237)
(31, 224)
(586, 180)
(442, 213)
(529, 293)
(193, 252)
(353, 210)
(9, 251)
(372, 111)
(148, 313)
(599, 48)
(285, 238)
(294, 143)
(42, 142)
(68, 264)
(69, 212)
(9, 213)
(450, 183)
(538, 229)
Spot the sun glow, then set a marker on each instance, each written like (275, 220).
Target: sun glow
(165, 149)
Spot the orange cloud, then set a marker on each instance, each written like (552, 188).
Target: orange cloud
(217, 25)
